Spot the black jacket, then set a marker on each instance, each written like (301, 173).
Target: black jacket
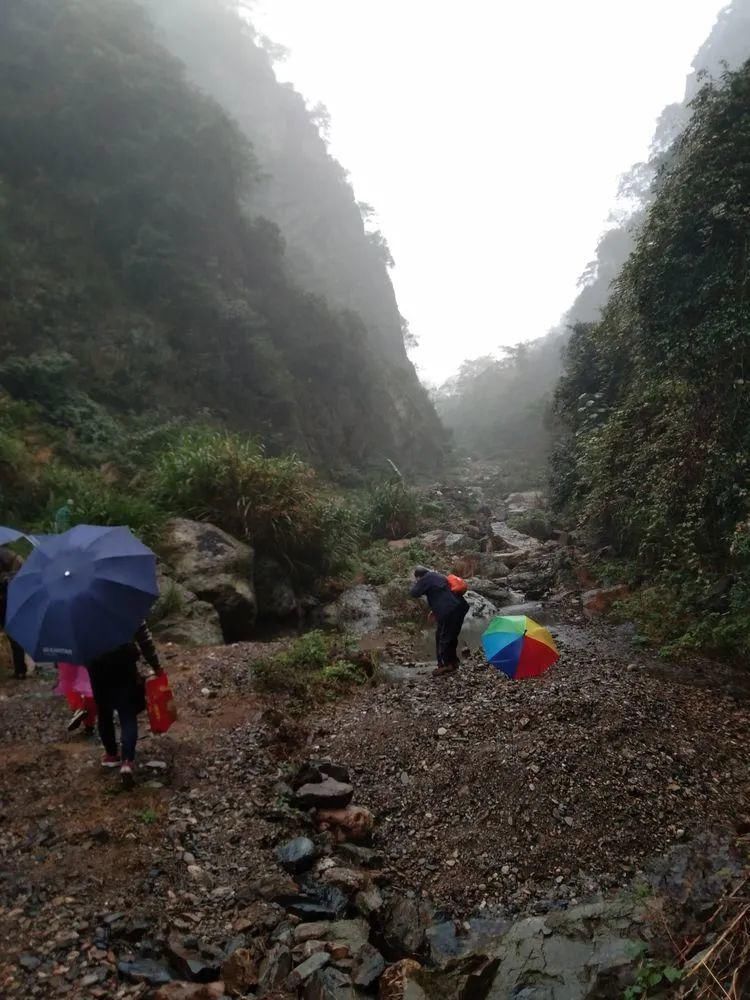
(115, 680)
(440, 597)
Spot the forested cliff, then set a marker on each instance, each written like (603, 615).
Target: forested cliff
(168, 251)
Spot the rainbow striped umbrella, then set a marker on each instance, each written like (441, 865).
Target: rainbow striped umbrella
(519, 646)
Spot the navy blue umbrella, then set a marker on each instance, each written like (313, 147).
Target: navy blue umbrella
(81, 593)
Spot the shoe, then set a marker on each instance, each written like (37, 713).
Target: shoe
(126, 773)
(111, 760)
(77, 718)
(445, 670)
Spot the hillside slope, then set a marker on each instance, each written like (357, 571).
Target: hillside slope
(139, 276)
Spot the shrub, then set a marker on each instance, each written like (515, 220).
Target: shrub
(95, 501)
(381, 564)
(276, 504)
(391, 511)
(316, 666)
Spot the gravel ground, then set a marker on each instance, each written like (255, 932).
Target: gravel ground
(530, 794)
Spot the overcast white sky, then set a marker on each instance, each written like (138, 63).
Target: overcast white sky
(489, 135)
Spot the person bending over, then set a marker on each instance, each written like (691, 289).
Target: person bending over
(449, 611)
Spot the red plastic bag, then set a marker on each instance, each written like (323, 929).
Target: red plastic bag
(457, 585)
(160, 705)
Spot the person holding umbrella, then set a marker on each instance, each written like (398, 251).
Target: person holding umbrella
(82, 598)
(118, 687)
(10, 563)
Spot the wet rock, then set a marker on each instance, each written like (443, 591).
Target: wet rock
(271, 888)
(353, 933)
(480, 609)
(489, 590)
(326, 794)
(190, 963)
(358, 610)
(274, 969)
(316, 902)
(190, 991)
(29, 962)
(336, 771)
(260, 916)
(504, 537)
(354, 823)
(404, 926)
(449, 541)
(216, 568)
(240, 972)
(533, 609)
(329, 984)
(296, 855)
(368, 966)
(397, 981)
(364, 856)
(144, 970)
(369, 901)
(347, 880)
(307, 968)
(491, 566)
(310, 932)
(567, 955)
(181, 617)
(447, 943)
(599, 602)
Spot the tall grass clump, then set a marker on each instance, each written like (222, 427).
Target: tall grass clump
(391, 511)
(278, 505)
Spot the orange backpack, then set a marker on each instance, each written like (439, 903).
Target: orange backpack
(457, 585)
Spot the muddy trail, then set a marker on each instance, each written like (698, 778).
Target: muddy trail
(476, 805)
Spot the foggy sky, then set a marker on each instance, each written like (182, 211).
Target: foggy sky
(489, 136)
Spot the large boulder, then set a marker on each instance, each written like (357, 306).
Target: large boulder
(216, 568)
(449, 541)
(504, 537)
(480, 609)
(493, 592)
(357, 610)
(179, 616)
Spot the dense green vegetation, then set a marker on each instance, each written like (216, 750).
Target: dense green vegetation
(139, 278)
(656, 396)
(280, 505)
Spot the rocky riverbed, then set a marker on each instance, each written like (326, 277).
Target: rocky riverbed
(467, 837)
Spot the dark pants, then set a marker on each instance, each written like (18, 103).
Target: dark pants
(128, 731)
(117, 688)
(19, 658)
(446, 637)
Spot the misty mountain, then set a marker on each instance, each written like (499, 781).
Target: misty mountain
(522, 400)
(184, 246)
